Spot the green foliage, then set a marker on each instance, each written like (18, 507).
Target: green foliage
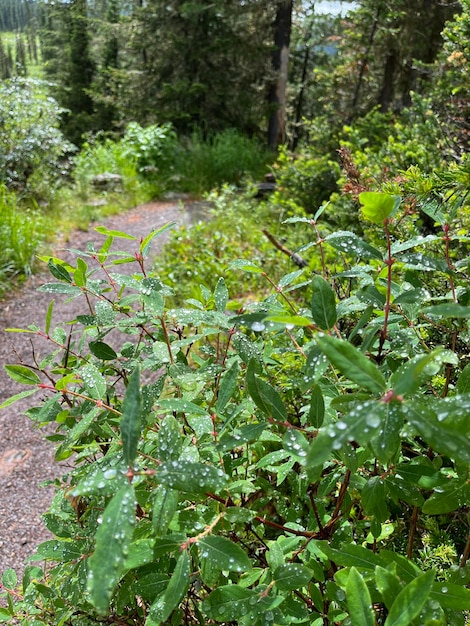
(226, 157)
(230, 230)
(154, 157)
(305, 180)
(21, 230)
(34, 155)
(299, 461)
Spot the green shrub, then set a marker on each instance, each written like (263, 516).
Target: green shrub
(305, 180)
(275, 465)
(231, 229)
(34, 156)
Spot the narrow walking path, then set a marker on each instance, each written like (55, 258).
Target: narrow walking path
(26, 459)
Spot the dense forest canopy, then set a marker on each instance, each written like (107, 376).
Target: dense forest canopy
(255, 66)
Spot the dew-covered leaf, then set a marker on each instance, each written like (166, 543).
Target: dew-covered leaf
(386, 442)
(190, 476)
(388, 585)
(411, 375)
(65, 288)
(449, 309)
(242, 435)
(107, 563)
(145, 243)
(221, 295)
(349, 243)
(296, 444)
(182, 406)
(323, 303)
(22, 374)
(316, 412)
(93, 381)
(447, 498)
(59, 271)
(359, 600)
(246, 266)
(290, 576)
(223, 554)
(410, 601)
(131, 420)
(451, 596)
(228, 385)
(420, 240)
(169, 442)
(226, 603)
(102, 350)
(266, 398)
(166, 603)
(433, 423)
(165, 504)
(352, 363)
(360, 424)
(373, 499)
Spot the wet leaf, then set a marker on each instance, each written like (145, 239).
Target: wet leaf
(360, 424)
(316, 412)
(410, 601)
(349, 243)
(22, 374)
(449, 497)
(131, 420)
(225, 604)
(102, 350)
(359, 600)
(290, 576)
(107, 563)
(228, 385)
(165, 604)
(59, 271)
(145, 243)
(323, 303)
(223, 554)
(352, 363)
(169, 443)
(165, 504)
(93, 381)
(221, 295)
(190, 476)
(64, 288)
(266, 398)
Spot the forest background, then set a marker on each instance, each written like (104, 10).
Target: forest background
(289, 466)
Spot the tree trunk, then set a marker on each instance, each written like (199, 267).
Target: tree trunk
(280, 61)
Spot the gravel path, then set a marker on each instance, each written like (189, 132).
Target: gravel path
(26, 459)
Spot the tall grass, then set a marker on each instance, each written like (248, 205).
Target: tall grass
(21, 231)
(228, 157)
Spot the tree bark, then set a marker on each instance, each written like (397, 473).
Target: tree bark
(280, 61)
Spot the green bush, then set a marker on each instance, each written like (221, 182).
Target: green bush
(231, 229)
(34, 156)
(275, 465)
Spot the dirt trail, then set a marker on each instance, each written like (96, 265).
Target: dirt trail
(26, 459)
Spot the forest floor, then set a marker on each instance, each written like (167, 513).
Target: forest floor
(26, 458)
